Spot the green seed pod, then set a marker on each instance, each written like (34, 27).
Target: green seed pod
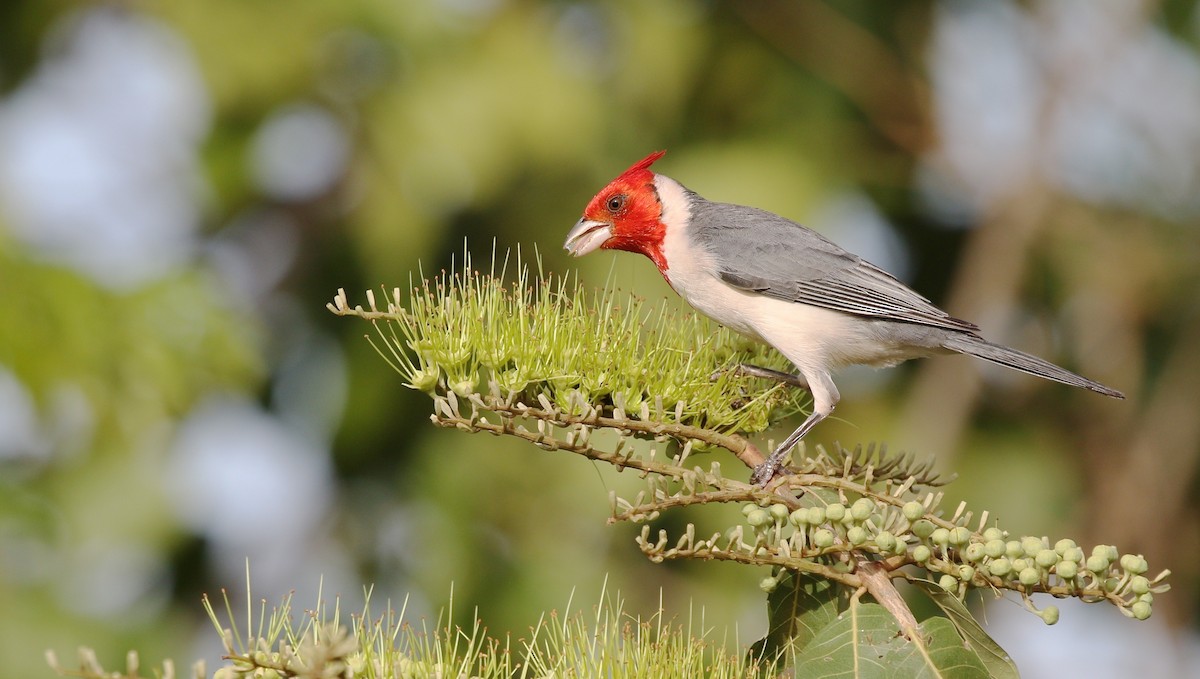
(885, 541)
(758, 518)
(1031, 546)
(1021, 564)
(1140, 609)
(1013, 549)
(1073, 554)
(1107, 551)
(993, 533)
(823, 538)
(424, 380)
(1067, 570)
(1000, 567)
(921, 553)
(779, 512)
(1046, 558)
(1110, 584)
(949, 583)
(901, 545)
(913, 510)
(768, 584)
(1030, 576)
(749, 507)
(1138, 584)
(862, 509)
(857, 535)
(923, 528)
(966, 573)
(1134, 564)
(1064, 544)
(816, 516)
(940, 537)
(1050, 615)
(975, 552)
(1148, 597)
(960, 536)
(1097, 563)
(835, 512)
(799, 517)
(994, 548)
(464, 387)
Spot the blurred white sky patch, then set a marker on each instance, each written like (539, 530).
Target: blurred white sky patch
(98, 149)
(1090, 640)
(299, 153)
(254, 487)
(1084, 94)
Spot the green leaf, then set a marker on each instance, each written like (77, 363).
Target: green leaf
(799, 608)
(997, 661)
(865, 641)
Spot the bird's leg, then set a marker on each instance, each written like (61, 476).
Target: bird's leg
(825, 398)
(766, 373)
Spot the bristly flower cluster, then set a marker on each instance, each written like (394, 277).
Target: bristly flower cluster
(467, 332)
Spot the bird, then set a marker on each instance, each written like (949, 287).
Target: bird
(769, 278)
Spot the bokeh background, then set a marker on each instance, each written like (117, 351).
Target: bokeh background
(184, 184)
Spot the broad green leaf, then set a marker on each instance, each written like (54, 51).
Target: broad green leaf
(997, 661)
(865, 641)
(799, 608)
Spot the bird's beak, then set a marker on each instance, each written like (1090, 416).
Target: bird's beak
(586, 236)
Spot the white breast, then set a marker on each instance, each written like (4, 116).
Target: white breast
(808, 336)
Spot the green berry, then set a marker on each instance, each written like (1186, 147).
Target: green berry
(994, 548)
(960, 536)
(749, 507)
(913, 510)
(857, 535)
(940, 537)
(1138, 584)
(862, 509)
(966, 573)
(923, 528)
(1021, 564)
(1063, 545)
(1050, 615)
(949, 583)
(1134, 564)
(1031, 546)
(758, 518)
(1000, 567)
(816, 516)
(799, 517)
(835, 512)
(1073, 554)
(823, 538)
(1107, 551)
(885, 541)
(1097, 563)
(1067, 570)
(993, 533)
(1046, 558)
(1030, 576)
(1013, 549)
(768, 584)
(974, 552)
(1148, 597)
(1140, 609)
(779, 512)
(921, 553)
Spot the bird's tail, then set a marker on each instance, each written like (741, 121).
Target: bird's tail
(1019, 360)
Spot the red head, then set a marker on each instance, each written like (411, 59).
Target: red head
(625, 215)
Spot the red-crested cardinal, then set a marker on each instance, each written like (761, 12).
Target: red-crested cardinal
(776, 281)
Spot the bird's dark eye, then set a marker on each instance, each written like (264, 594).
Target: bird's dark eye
(616, 202)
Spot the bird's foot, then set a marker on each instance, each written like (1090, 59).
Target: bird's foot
(766, 472)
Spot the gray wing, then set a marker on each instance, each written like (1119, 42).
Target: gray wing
(765, 253)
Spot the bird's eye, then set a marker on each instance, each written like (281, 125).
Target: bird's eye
(616, 202)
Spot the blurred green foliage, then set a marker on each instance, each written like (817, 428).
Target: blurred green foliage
(496, 120)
